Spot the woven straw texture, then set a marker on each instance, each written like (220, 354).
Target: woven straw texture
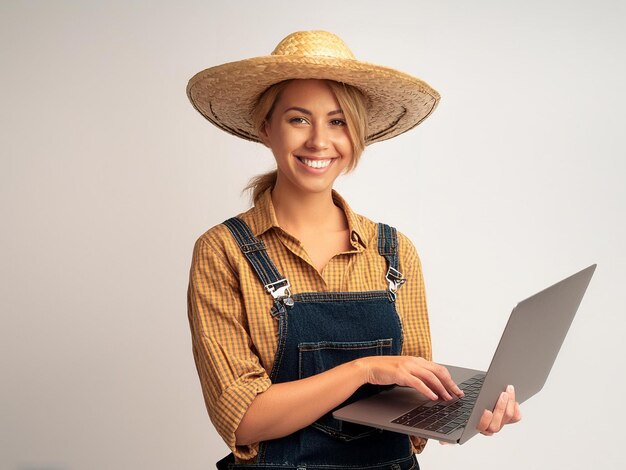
(226, 94)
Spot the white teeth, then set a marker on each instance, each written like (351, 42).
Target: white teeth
(316, 163)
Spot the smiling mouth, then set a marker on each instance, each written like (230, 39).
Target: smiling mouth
(318, 163)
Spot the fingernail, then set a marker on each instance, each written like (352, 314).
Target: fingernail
(510, 389)
(503, 396)
(433, 396)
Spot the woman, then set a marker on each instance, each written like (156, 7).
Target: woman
(299, 304)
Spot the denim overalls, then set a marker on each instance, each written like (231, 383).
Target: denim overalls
(316, 332)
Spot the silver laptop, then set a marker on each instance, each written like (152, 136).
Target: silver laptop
(526, 352)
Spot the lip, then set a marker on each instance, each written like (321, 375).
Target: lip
(314, 158)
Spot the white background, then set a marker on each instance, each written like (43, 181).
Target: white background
(108, 176)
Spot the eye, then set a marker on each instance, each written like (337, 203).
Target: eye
(298, 120)
(338, 122)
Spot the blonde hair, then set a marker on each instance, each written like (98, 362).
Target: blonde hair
(351, 101)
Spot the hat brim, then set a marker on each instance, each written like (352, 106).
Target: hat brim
(226, 94)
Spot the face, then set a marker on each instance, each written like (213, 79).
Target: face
(309, 138)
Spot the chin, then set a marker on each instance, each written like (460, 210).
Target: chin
(314, 189)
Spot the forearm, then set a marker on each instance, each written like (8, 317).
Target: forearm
(287, 407)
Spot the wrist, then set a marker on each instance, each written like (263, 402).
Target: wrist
(360, 370)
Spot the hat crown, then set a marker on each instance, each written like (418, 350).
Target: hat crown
(313, 44)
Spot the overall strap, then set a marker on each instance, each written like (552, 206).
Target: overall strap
(388, 247)
(256, 253)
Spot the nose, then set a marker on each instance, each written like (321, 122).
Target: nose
(318, 137)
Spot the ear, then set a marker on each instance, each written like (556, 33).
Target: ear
(264, 136)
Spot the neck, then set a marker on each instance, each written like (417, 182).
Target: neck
(299, 211)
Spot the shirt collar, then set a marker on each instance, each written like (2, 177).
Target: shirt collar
(264, 217)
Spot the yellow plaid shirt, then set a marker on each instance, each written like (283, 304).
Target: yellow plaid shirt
(233, 334)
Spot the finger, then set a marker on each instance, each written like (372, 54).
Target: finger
(441, 380)
(443, 375)
(432, 380)
(498, 413)
(517, 415)
(485, 419)
(421, 387)
(510, 389)
(418, 370)
(509, 413)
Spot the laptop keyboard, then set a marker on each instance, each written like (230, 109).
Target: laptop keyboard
(445, 417)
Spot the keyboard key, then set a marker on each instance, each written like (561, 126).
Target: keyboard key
(447, 429)
(443, 415)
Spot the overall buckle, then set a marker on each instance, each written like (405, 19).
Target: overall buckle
(395, 278)
(280, 290)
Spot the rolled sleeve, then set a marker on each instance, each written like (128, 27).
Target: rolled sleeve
(231, 375)
(411, 304)
(413, 310)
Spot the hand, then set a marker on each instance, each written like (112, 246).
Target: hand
(431, 379)
(506, 411)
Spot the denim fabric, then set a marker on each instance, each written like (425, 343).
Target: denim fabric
(319, 331)
(254, 250)
(388, 244)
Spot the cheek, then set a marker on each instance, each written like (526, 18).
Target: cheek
(283, 153)
(286, 141)
(347, 148)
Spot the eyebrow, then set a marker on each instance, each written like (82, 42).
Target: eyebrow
(306, 111)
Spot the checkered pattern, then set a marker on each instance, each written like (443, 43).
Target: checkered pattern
(233, 334)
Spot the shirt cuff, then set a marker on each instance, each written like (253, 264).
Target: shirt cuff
(418, 444)
(233, 404)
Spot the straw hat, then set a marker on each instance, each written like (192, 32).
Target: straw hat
(226, 94)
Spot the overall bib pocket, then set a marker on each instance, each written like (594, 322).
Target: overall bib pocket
(315, 358)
